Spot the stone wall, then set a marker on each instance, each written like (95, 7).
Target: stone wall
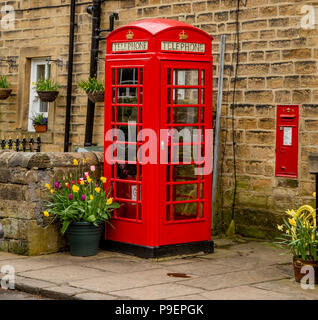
(22, 189)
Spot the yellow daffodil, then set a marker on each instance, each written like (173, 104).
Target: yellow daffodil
(292, 222)
(82, 182)
(314, 194)
(84, 161)
(51, 191)
(46, 214)
(280, 227)
(75, 188)
(97, 190)
(103, 179)
(292, 212)
(109, 201)
(75, 162)
(91, 197)
(89, 180)
(47, 186)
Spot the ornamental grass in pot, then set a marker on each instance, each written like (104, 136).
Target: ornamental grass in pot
(46, 89)
(300, 236)
(5, 90)
(94, 89)
(82, 204)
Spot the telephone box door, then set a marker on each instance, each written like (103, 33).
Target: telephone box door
(186, 111)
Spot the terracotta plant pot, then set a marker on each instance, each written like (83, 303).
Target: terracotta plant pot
(47, 96)
(5, 93)
(40, 128)
(96, 96)
(298, 264)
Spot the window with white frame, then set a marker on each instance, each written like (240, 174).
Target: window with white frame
(40, 69)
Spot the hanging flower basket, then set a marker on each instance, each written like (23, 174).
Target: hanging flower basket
(5, 93)
(97, 96)
(40, 128)
(47, 96)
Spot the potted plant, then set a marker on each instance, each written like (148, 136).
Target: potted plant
(82, 204)
(5, 90)
(95, 89)
(299, 234)
(39, 122)
(46, 89)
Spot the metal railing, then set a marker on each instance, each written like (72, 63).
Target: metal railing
(21, 145)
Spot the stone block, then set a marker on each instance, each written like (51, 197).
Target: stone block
(283, 96)
(256, 83)
(305, 67)
(273, 55)
(259, 96)
(274, 82)
(301, 96)
(292, 82)
(282, 68)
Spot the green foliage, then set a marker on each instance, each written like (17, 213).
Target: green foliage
(80, 198)
(92, 85)
(39, 119)
(46, 85)
(4, 83)
(300, 237)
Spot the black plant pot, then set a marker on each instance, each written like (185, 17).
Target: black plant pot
(84, 238)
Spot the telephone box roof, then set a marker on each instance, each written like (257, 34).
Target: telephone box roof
(155, 26)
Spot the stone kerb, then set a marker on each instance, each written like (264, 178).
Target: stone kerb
(22, 190)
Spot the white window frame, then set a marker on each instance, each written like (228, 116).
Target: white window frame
(34, 101)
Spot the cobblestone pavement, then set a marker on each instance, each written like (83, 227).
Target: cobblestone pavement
(236, 270)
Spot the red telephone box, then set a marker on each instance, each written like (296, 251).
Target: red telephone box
(158, 124)
(287, 141)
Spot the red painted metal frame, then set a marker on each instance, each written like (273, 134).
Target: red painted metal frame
(152, 229)
(287, 156)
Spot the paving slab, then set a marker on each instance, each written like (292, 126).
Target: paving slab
(94, 296)
(31, 285)
(120, 264)
(245, 293)
(289, 286)
(63, 274)
(203, 268)
(236, 278)
(113, 281)
(9, 256)
(155, 292)
(27, 264)
(188, 297)
(61, 292)
(17, 295)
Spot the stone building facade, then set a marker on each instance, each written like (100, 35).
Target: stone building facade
(277, 64)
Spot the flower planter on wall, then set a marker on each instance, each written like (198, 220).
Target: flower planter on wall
(5, 93)
(40, 128)
(47, 96)
(96, 96)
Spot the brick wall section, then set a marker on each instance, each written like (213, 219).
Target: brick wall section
(22, 190)
(277, 65)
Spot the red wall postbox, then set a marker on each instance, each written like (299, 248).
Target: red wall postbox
(287, 141)
(158, 81)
